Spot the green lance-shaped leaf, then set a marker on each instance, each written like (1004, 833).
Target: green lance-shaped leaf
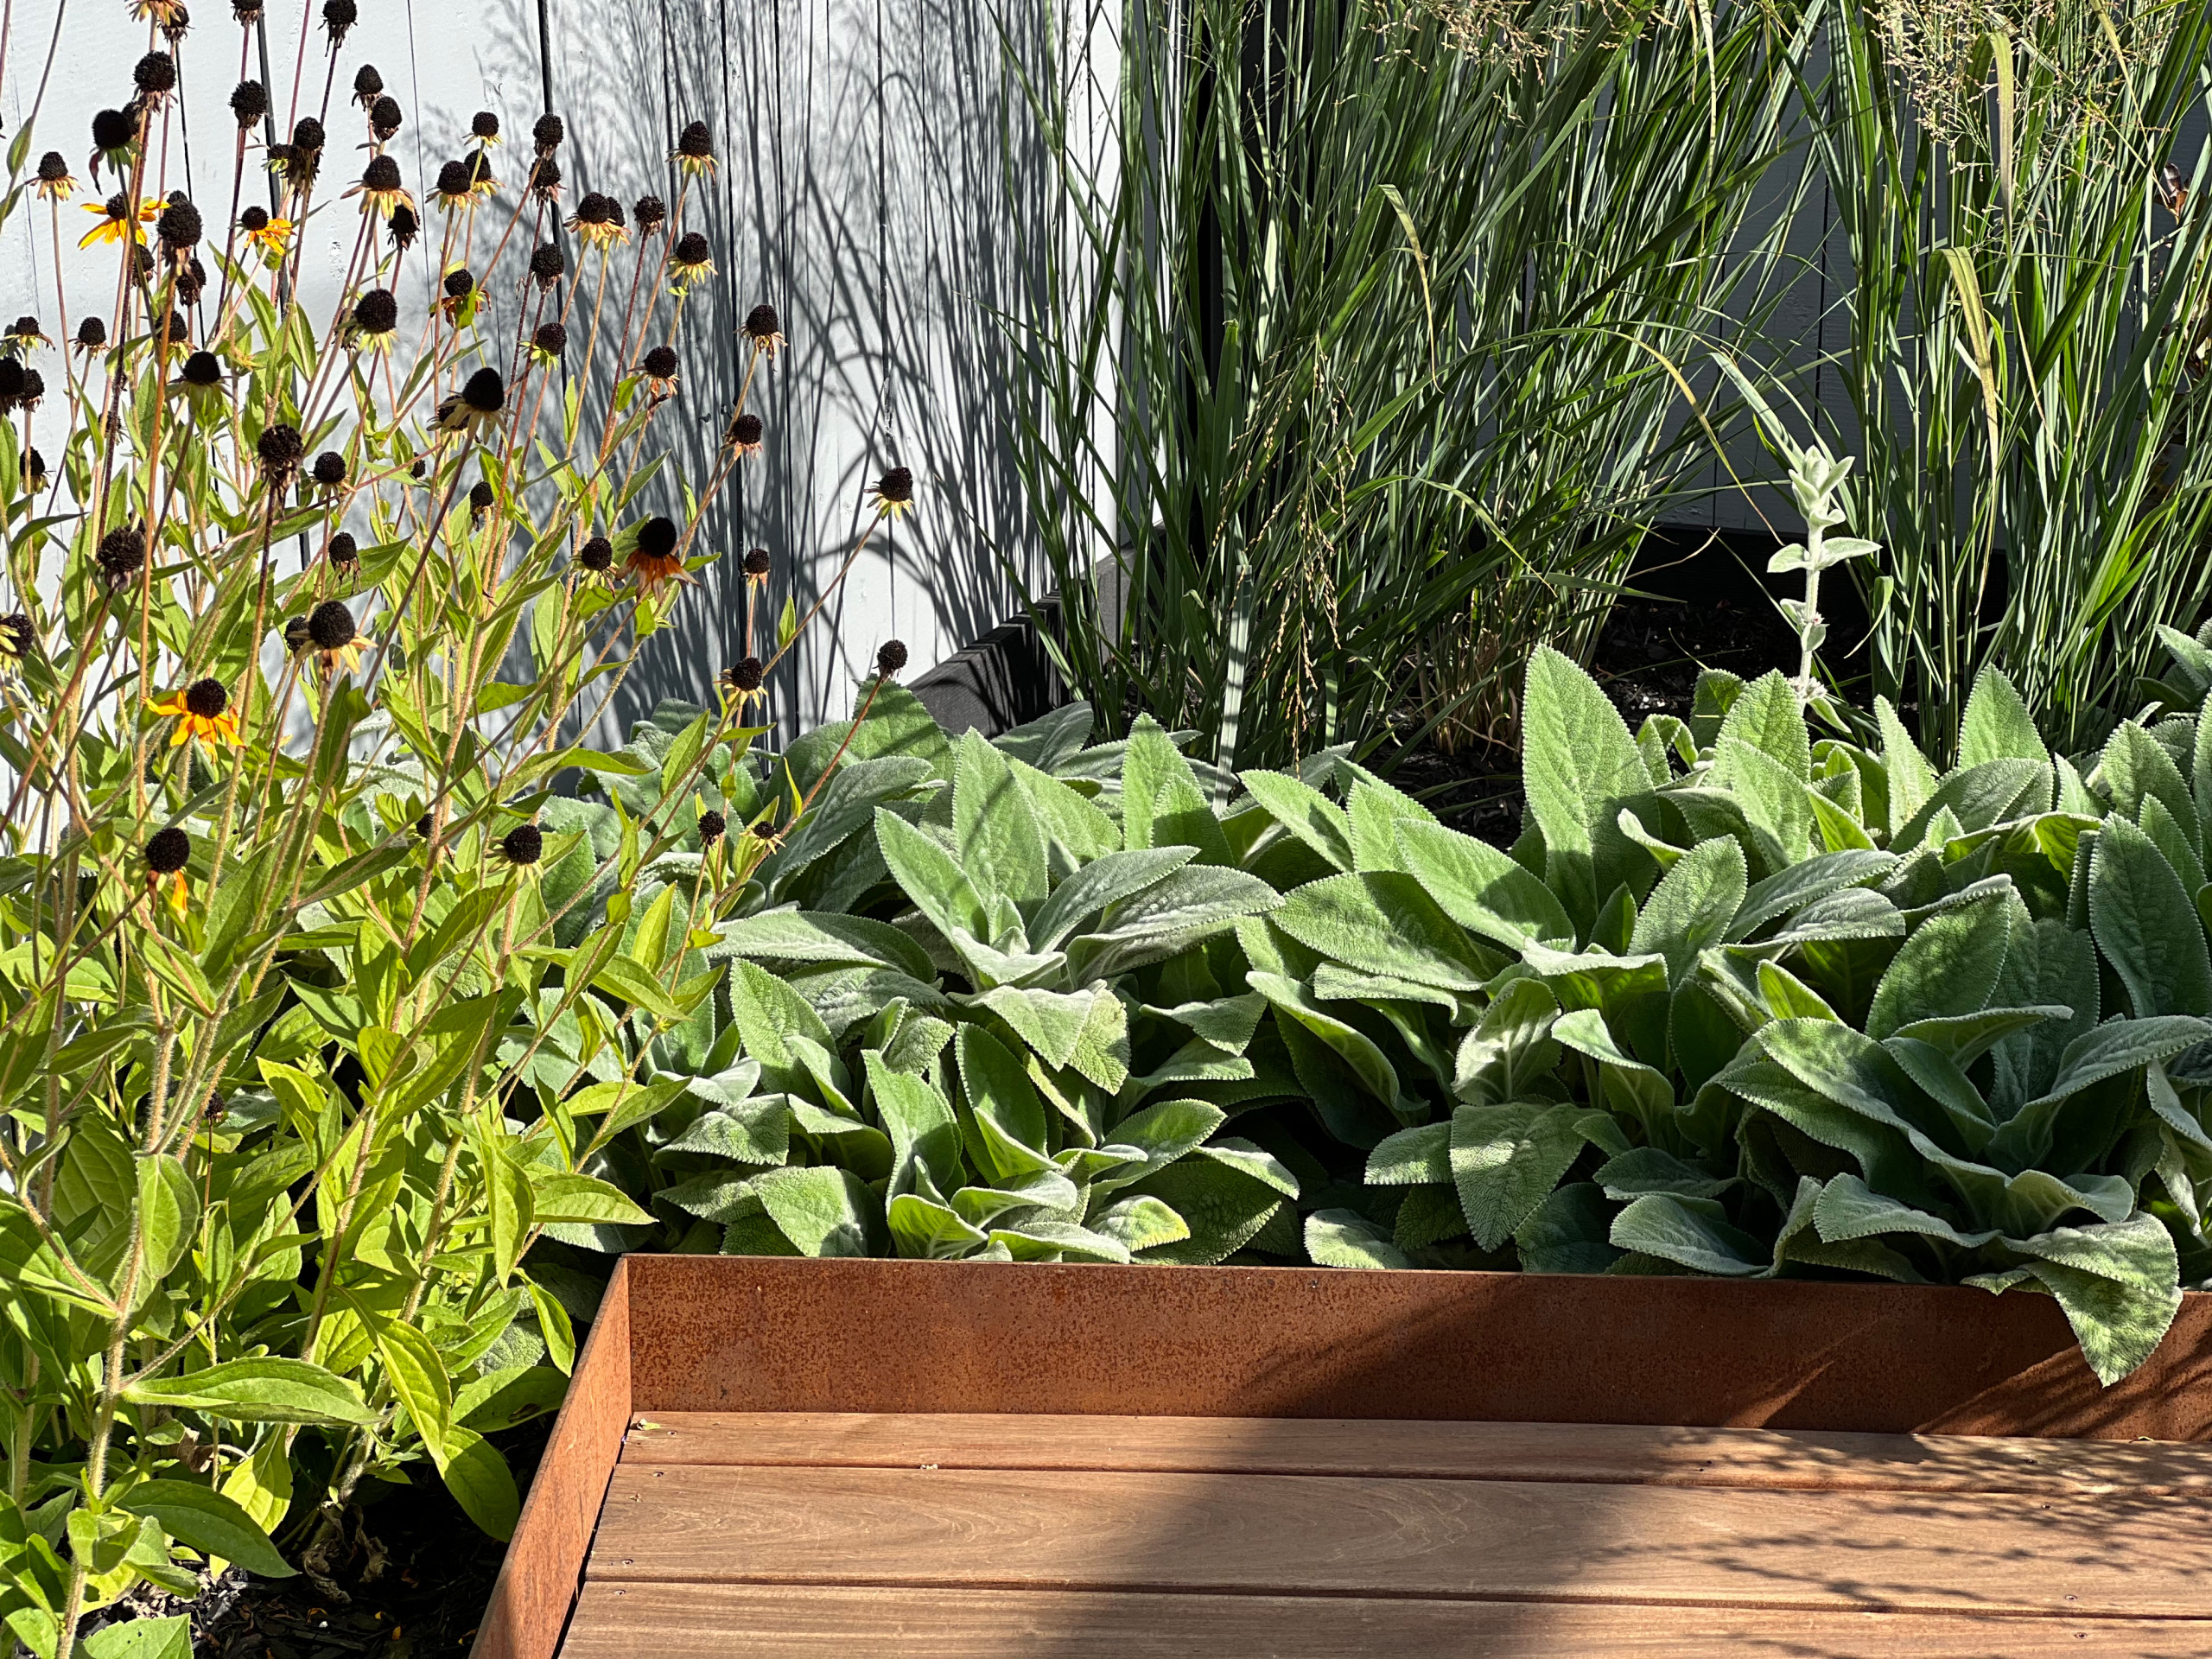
(1344, 1238)
(1481, 889)
(823, 1210)
(1001, 849)
(1693, 1233)
(265, 1390)
(2145, 924)
(201, 1518)
(1947, 965)
(1009, 1124)
(1999, 725)
(477, 1474)
(1383, 923)
(1506, 1159)
(1305, 812)
(1692, 906)
(1581, 767)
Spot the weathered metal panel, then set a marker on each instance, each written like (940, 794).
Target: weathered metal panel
(769, 1334)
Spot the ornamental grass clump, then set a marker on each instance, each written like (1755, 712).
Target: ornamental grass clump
(308, 1040)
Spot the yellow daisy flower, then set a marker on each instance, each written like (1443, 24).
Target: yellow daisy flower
(202, 711)
(116, 222)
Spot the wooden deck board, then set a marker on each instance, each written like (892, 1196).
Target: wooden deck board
(1618, 1454)
(663, 1621)
(1354, 1535)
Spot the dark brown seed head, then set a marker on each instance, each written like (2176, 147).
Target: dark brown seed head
(765, 830)
(178, 226)
(545, 178)
(295, 634)
(167, 850)
(338, 16)
(756, 562)
(33, 474)
(254, 218)
(484, 124)
(660, 363)
(385, 117)
(307, 135)
(426, 826)
(376, 312)
(486, 392)
(402, 225)
(650, 212)
(26, 329)
(155, 75)
(329, 470)
(18, 635)
(52, 168)
(524, 844)
(11, 382)
(345, 551)
(121, 553)
(367, 84)
(480, 497)
(552, 339)
(596, 555)
(207, 698)
(747, 428)
(479, 169)
(690, 251)
(761, 322)
(896, 485)
(453, 179)
(657, 538)
(91, 333)
(694, 142)
(890, 657)
(190, 280)
(547, 265)
(203, 369)
(459, 284)
(280, 452)
(595, 209)
(115, 129)
(382, 173)
(34, 389)
(548, 133)
(711, 826)
(330, 625)
(417, 467)
(745, 676)
(246, 12)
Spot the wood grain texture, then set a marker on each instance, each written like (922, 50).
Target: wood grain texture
(1456, 1539)
(662, 1621)
(1620, 1453)
(537, 1579)
(764, 1334)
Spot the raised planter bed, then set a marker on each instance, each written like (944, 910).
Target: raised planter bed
(707, 1380)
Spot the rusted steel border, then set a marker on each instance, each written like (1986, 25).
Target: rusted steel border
(761, 1333)
(544, 1563)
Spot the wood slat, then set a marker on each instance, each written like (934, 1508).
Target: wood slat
(1551, 1451)
(663, 1621)
(1351, 1534)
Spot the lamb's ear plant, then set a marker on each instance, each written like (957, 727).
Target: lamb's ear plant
(301, 1054)
(1748, 1002)
(1006, 1002)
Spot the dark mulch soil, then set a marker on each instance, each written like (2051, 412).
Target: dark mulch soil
(1706, 611)
(413, 1576)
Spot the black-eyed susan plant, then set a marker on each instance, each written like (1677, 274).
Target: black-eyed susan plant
(316, 1022)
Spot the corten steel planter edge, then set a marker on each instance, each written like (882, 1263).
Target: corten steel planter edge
(544, 1563)
(764, 1333)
